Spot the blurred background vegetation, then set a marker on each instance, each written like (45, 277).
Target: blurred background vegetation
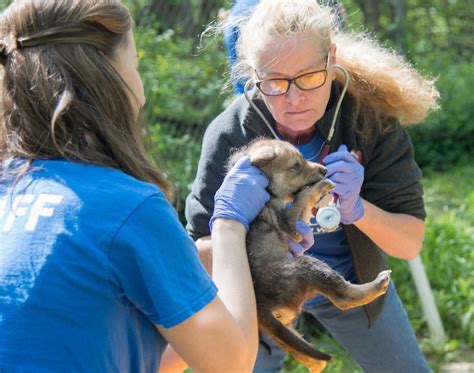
(184, 78)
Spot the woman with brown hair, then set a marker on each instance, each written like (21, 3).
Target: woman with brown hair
(96, 272)
(324, 89)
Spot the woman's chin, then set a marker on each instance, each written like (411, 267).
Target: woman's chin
(301, 123)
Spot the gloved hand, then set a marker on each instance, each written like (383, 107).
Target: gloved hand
(298, 249)
(348, 174)
(242, 194)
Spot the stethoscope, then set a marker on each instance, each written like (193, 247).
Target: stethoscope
(329, 216)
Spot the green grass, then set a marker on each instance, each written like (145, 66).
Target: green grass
(448, 256)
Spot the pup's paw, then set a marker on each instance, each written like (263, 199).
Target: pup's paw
(320, 190)
(297, 237)
(317, 366)
(383, 279)
(327, 186)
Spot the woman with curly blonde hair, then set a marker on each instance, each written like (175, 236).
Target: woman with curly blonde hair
(322, 88)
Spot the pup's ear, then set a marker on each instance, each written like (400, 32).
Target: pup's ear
(262, 156)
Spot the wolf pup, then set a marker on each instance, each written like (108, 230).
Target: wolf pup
(282, 284)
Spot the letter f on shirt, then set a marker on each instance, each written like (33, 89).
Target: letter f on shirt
(19, 207)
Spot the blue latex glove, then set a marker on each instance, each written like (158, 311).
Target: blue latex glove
(242, 194)
(298, 249)
(348, 174)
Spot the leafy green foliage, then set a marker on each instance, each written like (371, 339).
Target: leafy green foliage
(186, 17)
(180, 83)
(435, 37)
(437, 44)
(183, 87)
(4, 3)
(182, 166)
(448, 254)
(447, 135)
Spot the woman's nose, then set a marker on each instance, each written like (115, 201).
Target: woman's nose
(294, 94)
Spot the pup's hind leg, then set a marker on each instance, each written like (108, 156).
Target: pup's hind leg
(316, 277)
(354, 295)
(315, 366)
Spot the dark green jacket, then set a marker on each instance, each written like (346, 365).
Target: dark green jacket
(391, 178)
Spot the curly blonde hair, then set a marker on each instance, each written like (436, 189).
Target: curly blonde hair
(383, 85)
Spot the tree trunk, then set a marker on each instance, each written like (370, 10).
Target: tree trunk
(371, 9)
(399, 20)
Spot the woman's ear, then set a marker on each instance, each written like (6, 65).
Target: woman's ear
(332, 61)
(332, 51)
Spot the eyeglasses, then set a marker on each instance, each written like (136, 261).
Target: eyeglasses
(305, 82)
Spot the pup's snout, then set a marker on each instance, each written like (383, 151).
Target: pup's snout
(321, 170)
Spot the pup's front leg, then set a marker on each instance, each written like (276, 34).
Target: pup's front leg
(304, 201)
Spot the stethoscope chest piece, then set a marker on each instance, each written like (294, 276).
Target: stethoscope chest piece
(328, 218)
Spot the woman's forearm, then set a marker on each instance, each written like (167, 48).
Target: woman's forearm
(231, 273)
(398, 235)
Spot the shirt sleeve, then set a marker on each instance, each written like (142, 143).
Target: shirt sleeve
(156, 264)
(392, 177)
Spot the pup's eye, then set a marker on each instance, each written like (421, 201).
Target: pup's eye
(296, 167)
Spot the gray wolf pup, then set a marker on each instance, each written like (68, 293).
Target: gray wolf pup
(282, 284)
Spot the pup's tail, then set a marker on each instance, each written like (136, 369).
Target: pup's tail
(294, 344)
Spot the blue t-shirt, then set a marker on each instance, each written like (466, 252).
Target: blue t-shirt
(331, 247)
(90, 260)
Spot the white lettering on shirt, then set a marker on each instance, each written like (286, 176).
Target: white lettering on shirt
(20, 206)
(39, 209)
(17, 210)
